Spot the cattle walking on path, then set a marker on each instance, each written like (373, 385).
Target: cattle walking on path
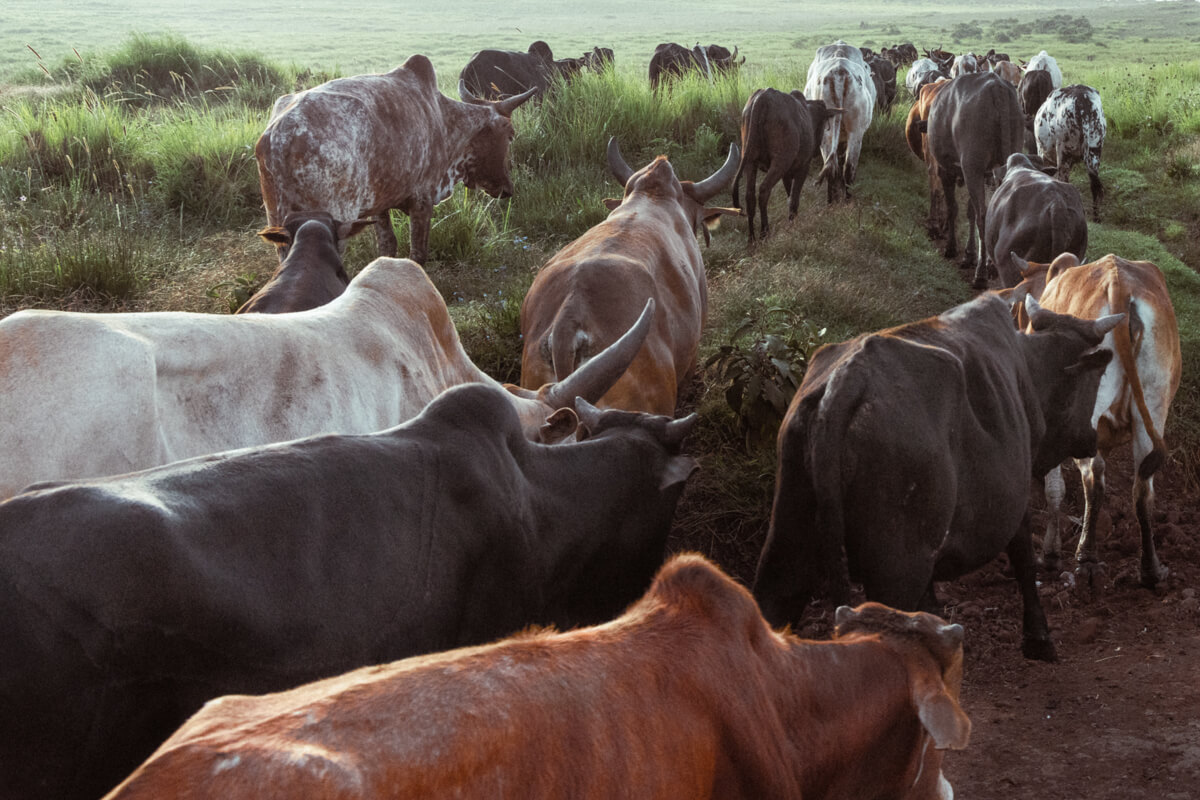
(910, 450)
(687, 696)
(841, 78)
(1069, 128)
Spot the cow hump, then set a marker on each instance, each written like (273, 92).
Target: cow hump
(422, 68)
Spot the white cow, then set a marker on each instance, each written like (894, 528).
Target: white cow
(1069, 128)
(87, 395)
(967, 62)
(1044, 60)
(839, 76)
(922, 71)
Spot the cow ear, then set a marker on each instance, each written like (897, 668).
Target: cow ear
(611, 203)
(589, 418)
(678, 470)
(940, 714)
(276, 235)
(1061, 264)
(1091, 360)
(558, 426)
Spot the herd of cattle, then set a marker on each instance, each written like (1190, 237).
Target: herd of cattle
(293, 498)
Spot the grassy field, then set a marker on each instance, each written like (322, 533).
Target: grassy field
(127, 176)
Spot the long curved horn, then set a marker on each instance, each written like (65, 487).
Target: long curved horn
(465, 94)
(616, 163)
(598, 375)
(711, 186)
(506, 107)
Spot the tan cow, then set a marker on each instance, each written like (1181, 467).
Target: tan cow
(918, 143)
(646, 248)
(687, 696)
(1135, 392)
(361, 146)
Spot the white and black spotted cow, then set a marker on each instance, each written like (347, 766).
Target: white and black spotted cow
(1069, 128)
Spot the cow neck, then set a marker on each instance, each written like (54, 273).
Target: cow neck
(461, 121)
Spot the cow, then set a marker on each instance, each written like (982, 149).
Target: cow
(1069, 128)
(1009, 71)
(943, 58)
(1033, 89)
(689, 694)
(1034, 217)
(920, 73)
(1044, 60)
(883, 75)
(841, 78)
(361, 146)
(780, 134)
(1134, 397)
(128, 601)
(671, 60)
(312, 274)
(497, 74)
(599, 59)
(918, 143)
(646, 247)
(974, 125)
(964, 64)
(994, 59)
(911, 451)
(147, 388)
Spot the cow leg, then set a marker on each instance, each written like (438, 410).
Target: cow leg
(1146, 461)
(1056, 490)
(853, 151)
(752, 203)
(1035, 639)
(793, 184)
(936, 222)
(1088, 566)
(951, 202)
(420, 217)
(385, 236)
(1092, 162)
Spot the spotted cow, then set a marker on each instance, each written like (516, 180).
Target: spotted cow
(1069, 128)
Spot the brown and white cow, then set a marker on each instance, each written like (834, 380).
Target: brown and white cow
(906, 456)
(922, 72)
(148, 388)
(780, 134)
(689, 695)
(1009, 71)
(1135, 391)
(1069, 127)
(312, 274)
(918, 143)
(361, 146)
(585, 294)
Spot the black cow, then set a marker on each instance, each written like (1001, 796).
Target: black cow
(1033, 216)
(672, 60)
(497, 74)
(312, 273)
(1035, 86)
(912, 449)
(974, 125)
(780, 134)
(127, 602)
(883, 73)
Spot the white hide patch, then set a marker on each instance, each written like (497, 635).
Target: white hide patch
(944, 790)
(227, 763)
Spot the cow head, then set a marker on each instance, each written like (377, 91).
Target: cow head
(282, 236)
(820, 114)
(1068, 373)
(657, 180)
(485, 160)
(548, 415)
(932, 649)
(598, 59)
(666, 432)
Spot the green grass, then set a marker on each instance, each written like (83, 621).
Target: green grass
(136, 174)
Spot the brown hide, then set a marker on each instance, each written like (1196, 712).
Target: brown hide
(918, 143)
(688, 695)
(586, 292)
(361, 146)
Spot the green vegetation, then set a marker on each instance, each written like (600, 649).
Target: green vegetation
(127, 181)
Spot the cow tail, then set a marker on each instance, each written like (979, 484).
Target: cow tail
(1127, 341)
(833, 95)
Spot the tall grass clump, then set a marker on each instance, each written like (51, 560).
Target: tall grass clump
(165, 68)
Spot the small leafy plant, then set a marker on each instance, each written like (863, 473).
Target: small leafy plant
(761, 367)
(236, 292)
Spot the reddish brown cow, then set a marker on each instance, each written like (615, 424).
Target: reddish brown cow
(1135, 392)
(780, 134)
(918, 143)
(312, 274)
(646, 248)
(688, 695)
(361, 146)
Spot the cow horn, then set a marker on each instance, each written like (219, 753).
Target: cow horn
(842, 615)
(506, 107)
(465, 94)
(733, 57)
(1021, 264)
(616, 164)
(678, 429)
(714, 184)
(599, 374)
(1107, 323)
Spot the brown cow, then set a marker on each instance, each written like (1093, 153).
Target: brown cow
(780, 134)
(689, 695)
(646, 248)
(361, 146)
(1135, 392)
(312, 274)
(1009, 71)
(918, 143)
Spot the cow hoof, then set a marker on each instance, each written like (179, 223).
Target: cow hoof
(1038, 649)
(1050, 563)
(1154, 575)
(950, 252)
(979, 284)
(1091, 575)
